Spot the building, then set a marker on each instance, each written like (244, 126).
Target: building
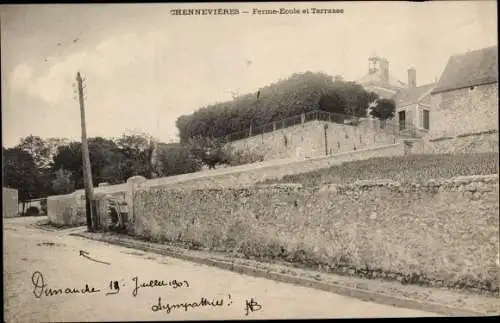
(413, 106)
(379, 80)
(412, 101)
(9, 202)
(462, 103)
(465, 99)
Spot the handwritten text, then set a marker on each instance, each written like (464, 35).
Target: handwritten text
(40, 288)
(204, 302)
(157, 283)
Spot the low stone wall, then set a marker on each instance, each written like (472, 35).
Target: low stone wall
(58, 207)
(67, 210)
(253, 173)
(442, 233)
(466, 143)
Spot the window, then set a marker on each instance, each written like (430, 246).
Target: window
(426, 119)
(402, 120)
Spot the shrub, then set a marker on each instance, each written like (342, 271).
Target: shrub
(43, 205)
(32, 211)
(240, 158)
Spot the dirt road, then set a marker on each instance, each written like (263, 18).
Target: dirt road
(46, 278)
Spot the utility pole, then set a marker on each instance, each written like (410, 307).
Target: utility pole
(325, 126)
(87, 173)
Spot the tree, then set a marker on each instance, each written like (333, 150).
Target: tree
(109, 162)
(298, 94)
(69, 157)
(135, 140)
(37, 148)
(103, 153)
(384, 109)
(20, 172)
(137, 149)
(175, 159)
(209, 151)
(53, 143)
(62, 183)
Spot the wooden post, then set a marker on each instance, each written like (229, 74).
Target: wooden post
(87, 173)
(325, 126)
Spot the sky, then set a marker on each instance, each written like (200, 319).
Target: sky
(145, 67)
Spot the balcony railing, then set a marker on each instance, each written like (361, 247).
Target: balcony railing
(392, 126)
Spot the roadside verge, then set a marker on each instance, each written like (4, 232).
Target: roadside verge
(441, 301)
(44, 224)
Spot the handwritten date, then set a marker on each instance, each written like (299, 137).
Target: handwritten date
(40, 286)
(157, 283)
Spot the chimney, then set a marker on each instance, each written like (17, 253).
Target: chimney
(384, 70)
(412, 78)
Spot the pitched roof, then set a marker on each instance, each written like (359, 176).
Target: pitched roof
(473, 68)
(383, 92)
(414, 95)
(376, 79)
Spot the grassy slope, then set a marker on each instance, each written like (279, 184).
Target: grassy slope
(413, 168)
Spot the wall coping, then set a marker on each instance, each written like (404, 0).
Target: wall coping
(359, 184)
(431, 183)
(463, 135)
(155, 182)
(256, 166)
(61, 197)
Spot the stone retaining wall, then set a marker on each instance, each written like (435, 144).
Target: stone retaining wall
(441, 233)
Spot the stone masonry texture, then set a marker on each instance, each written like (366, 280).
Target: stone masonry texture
(480, 142)
(441, 233)
(66, 210)
(464, 111)
(308, 139)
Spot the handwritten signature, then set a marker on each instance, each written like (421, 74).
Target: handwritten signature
(252, 306)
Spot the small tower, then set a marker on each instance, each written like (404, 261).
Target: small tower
(373, 64)
(376, 64)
